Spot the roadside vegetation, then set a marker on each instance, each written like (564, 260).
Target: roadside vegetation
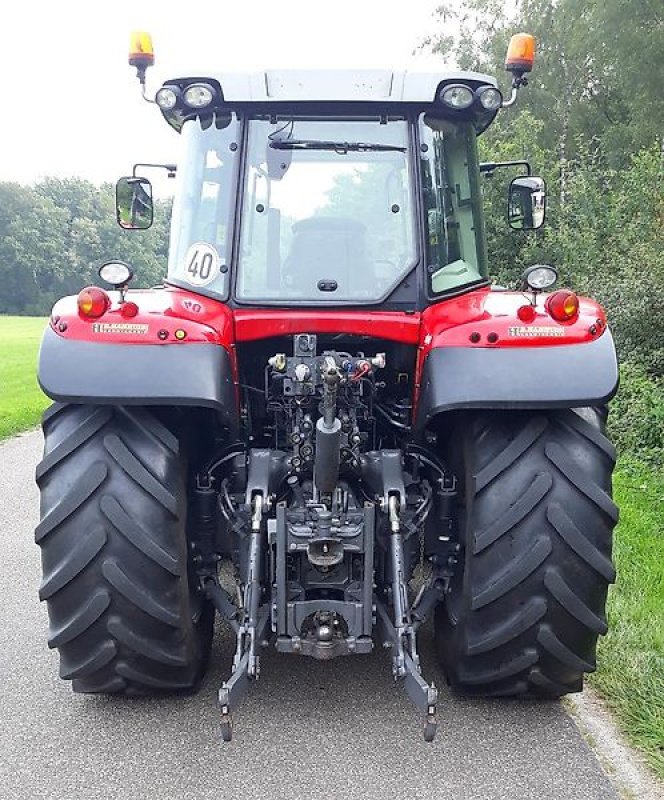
(21, 400)
(630, 661)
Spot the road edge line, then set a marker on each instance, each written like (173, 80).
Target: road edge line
(625, 767)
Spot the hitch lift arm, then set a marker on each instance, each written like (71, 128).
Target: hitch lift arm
(400, 633)
(246, 663)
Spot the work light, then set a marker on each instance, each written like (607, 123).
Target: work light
(117, 273)
(167, 97)
(457, 96)
(489, 97)
(539, 277)
(198, 95)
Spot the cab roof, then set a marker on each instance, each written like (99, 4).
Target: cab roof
(321, 90)
(338, 86)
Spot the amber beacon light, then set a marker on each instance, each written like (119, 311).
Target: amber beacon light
(520, 53)
(141, 53)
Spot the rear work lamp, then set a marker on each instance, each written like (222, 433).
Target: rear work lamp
(457, 96)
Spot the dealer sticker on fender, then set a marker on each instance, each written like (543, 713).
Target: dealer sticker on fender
(536, 330)
(119, 327)
(201, 264)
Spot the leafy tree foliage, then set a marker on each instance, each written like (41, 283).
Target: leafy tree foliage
(55, 235)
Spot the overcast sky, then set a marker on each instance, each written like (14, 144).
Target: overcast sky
(71, 104)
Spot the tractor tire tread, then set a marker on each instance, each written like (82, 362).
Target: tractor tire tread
(525, 611)
(137, 535)
(138, 472)
(123, 611)
(74, 562)
(91, 664)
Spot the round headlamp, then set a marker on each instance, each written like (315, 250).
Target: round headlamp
(167, 98)
(117, 273)
(490, 98)
(198, 95)
(457, 96)
(539, 277)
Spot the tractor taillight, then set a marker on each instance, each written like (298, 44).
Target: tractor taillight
(129, 309)
(526, 313)
(563, 305)
(93, 302)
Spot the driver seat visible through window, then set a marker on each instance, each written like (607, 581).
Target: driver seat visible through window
(327, 249)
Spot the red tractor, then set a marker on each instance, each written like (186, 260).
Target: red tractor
(328, 426)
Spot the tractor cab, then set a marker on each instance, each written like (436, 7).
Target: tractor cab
(329, 188)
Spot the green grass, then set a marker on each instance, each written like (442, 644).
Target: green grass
(21, 399)
(631, 657)
(630, 673)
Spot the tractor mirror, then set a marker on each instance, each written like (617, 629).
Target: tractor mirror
(133, 203)
(526, 204)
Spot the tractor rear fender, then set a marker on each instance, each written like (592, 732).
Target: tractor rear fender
(556, 376)
(109, 373)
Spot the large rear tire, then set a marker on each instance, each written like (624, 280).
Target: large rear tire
(124, 611)
(536, 521)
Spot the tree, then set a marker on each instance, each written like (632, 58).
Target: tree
(55, 235)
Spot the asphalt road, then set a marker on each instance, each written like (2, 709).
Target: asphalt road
(308, 730)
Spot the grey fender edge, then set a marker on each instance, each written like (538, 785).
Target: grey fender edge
(194, 374)
(559, 376)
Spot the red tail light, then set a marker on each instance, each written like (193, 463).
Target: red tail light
(129, 309)
(526, 313)
(563, 305)
(93, 302)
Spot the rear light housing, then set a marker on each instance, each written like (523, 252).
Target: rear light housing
(563, 305)
(129, 310)
(526, 313)
(93, 302)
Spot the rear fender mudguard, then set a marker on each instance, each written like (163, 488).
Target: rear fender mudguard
(109, 373)
(557, 376)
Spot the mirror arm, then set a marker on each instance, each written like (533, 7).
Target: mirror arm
(170, 168)
(490, 166)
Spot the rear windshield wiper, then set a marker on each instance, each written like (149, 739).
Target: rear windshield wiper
(337, 147)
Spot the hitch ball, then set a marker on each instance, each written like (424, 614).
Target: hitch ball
(325, 633)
